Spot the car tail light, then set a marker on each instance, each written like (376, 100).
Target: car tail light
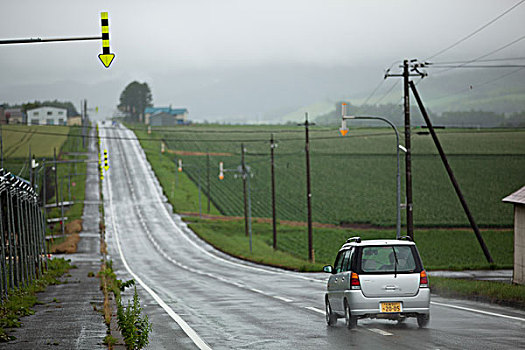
(423, 279)
(354, 281)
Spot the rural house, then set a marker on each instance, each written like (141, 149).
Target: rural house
(47, 116)
(178, 115)
(518, 199)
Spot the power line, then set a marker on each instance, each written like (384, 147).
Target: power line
(388, 92)
(478, 66)
(474, 32)
(487, 60)
(192, 140)
(481, 84)
(484, 55)
(379, 85)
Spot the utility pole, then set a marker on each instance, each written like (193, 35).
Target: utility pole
(274, 219)
(30, 168)
(84, 122)
(208, 180)
(308, 189)
(1, 148)
(56, 175)
(408, 154)
(243, 174)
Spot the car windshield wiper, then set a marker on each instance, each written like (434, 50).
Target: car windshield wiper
(395, 262)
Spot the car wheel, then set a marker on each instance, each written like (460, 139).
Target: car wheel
(331, 318)
(350, 321)
(422, 320)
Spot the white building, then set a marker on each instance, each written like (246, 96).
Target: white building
(47, 116)
(518, 199)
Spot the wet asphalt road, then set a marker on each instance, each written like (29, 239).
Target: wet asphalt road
(224, 303)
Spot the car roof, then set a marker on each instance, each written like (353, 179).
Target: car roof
(376, 242)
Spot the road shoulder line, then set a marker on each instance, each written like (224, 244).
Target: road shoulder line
(478, 311)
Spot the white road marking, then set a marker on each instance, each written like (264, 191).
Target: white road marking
(197, 340)
(478, 311)
(257, 291)
(283, 299)
(315, 309)
(142, 157)
(379, 331)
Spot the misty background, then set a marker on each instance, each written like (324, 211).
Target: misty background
(260, 61)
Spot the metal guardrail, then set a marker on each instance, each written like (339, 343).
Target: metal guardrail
(22, 245)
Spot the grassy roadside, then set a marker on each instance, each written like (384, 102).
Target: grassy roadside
(439, 248)
(21, 300)
(487, 291)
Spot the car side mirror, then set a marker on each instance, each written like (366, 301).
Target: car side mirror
(327, 269)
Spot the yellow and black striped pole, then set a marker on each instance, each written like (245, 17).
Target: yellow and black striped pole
(106, 165)
(106, 57)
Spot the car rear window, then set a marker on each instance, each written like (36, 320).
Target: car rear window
(389, 259)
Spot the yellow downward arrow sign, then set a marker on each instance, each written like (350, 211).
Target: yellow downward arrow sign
(106, 59)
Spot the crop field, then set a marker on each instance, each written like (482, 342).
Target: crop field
(18, 138)
(353, 177)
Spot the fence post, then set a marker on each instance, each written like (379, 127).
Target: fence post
(9, 241)
(4, 282)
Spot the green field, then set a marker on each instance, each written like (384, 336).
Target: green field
(449, 249)
(42, 139)
(353, 177)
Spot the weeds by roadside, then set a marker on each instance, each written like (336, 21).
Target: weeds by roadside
(20, 301)
(134, 326)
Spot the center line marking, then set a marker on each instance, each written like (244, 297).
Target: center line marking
(314, 309)
(283, 299)
(379, 331)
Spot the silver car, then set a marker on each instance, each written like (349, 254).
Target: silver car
(377, 279)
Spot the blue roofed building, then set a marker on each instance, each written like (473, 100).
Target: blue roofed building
(179, 115)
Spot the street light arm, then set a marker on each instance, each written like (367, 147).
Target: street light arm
(344, 130)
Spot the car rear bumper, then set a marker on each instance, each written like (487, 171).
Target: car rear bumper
(365, 306)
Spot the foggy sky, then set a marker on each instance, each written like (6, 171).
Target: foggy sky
(237, 58)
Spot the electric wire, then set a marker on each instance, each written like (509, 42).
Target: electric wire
(482, 56)
(440, 52)
(481, 84)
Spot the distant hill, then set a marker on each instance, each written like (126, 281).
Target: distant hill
(463, 99)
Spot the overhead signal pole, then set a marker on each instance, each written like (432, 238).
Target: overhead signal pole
(407, 66)
(105, 57)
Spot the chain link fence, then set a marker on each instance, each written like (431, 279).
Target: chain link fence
(22, 235)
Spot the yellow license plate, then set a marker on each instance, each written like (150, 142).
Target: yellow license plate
(391, 307)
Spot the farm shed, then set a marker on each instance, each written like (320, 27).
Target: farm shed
(518, 199)
(180, 115)
(47, 116)
(162, 119)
